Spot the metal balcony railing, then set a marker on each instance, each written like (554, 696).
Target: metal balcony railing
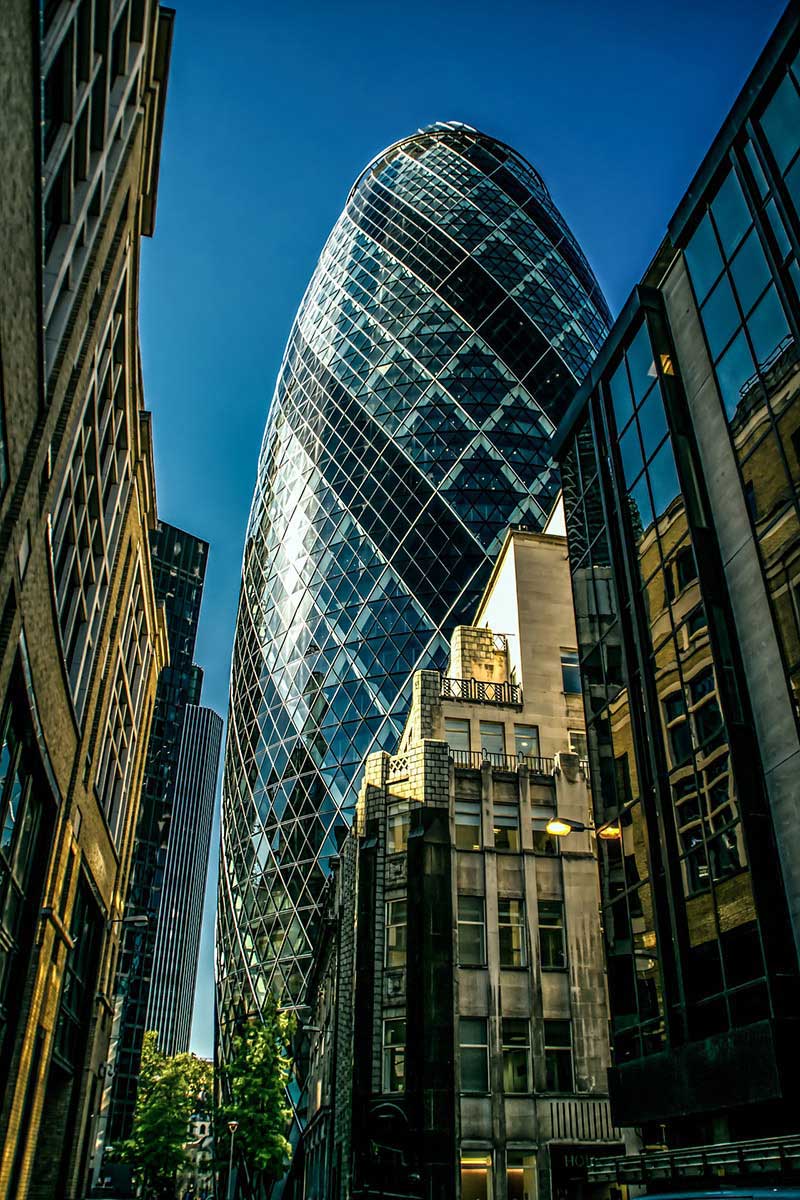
(481, 691)
(763, 1156)
(504, 762)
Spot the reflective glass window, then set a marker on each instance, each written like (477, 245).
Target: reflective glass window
(471, 931)
(767, 326)
(731, 214)
(394, 1055)
(396, 926)
(468, 824)
(720, 317)
(558, 1056)
(641, 364)
(456, 732)
(474, 1054)
(511, 929)
(781, 123)
(516, 1051)
(526, 741)
(704, 258)
(570, 672)
(750, 271)
(493, 738)
(506, 826)
(552, 947)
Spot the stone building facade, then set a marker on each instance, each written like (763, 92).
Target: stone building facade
(458, 1038)
(81, 638)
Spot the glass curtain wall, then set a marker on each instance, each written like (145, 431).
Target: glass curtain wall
(440, 339)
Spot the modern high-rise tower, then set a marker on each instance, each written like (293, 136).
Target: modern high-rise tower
(177, 941)
(441, 337)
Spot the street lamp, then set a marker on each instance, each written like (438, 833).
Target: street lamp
(232, 1126)
(562, 826)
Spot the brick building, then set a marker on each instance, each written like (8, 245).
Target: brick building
(457, 1040)
(81, 638)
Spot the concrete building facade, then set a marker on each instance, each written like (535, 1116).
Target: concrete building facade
(459, 1027)
(681, 472)
(82, 639)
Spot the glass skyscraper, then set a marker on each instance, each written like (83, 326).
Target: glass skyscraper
(443, 333)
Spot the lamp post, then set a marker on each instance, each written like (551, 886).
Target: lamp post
(232, 1126)
(562, 826)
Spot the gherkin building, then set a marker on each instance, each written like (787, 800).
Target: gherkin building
(444, 330)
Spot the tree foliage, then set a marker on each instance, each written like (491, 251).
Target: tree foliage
(257, 1074)
(168, 1094)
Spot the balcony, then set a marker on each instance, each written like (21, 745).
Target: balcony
(480, 691)
(502, 762)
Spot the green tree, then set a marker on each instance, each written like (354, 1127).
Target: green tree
(257, 1074)
(169, 1087)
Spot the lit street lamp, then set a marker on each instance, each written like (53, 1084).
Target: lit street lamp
(561, 826)
(232, 1126)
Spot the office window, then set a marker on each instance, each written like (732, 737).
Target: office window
(396, 933)
(493, 738)
(474, 1054)
(551, 934)
(558, 1056)
(577, 742)
(516, 1048)
(526, 741)
(476, 1177)
(506, 826)
(456, 733)
(570, 673)
(471, 931)
(511, 929)
(394, 1055)
(520, 1175)
(468, 824)
(397, 826)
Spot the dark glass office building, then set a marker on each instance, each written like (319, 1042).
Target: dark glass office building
(681, 470)
(177, 942)
(439, 342)
(179, 567)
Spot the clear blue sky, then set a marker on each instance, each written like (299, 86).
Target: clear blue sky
(273, 108)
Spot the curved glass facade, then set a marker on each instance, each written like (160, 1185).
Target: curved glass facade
(441, 337)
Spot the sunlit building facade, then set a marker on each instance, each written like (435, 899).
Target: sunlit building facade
(682, 486)
(440, 340)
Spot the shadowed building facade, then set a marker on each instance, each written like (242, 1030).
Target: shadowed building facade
(179, 561)
(440, 339)
(82, 639)
(681, 470)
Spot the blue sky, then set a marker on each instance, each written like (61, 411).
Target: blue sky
(275, 106)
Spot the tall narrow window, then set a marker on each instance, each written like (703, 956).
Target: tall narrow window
(493, 739)
(520, 1175)
(570, 672)
(476, 1177)
(396, 933)
(397, 825)
(456, 733)
(516, 1032)
(471, 931)
(526, 741)
(474, 1054)
(468, 824)
(394, 1055)
(577, 742)
(511, 929)
(551, 934)
(506, 826)
(558, 1056)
